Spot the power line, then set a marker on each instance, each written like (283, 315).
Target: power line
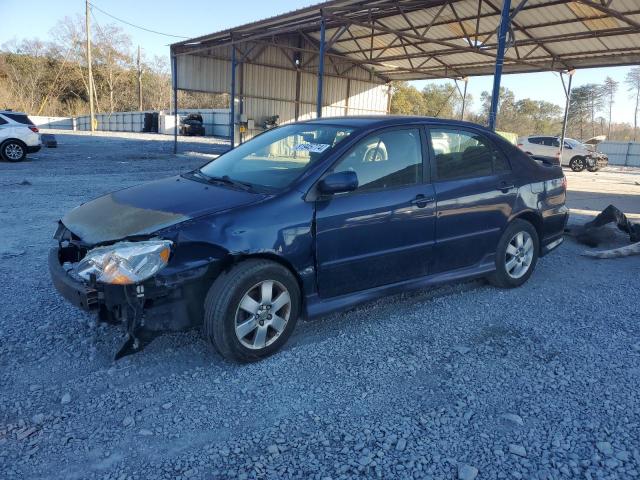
(133, 25)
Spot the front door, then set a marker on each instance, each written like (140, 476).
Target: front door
(475, 193)
(383, 232)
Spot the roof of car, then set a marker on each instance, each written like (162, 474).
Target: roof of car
(383, 120)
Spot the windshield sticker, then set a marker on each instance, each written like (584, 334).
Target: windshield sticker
(312, 147)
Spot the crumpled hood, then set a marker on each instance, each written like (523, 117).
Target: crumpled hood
(152, 206)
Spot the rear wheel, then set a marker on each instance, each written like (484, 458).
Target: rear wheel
(13, 151)
(516, 255)
(251, 310)
(577, 164)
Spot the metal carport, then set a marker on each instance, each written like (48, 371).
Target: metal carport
(371, 43)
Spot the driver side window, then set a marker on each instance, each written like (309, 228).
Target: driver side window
(390, 159)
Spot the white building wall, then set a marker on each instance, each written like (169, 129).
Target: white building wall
(268, 85)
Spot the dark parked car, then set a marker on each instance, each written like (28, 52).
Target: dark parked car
(192, 125)
(306, 219)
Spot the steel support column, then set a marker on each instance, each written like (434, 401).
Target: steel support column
(321, 68)
(505, 21)
(174, 67)
(232, 99)
(463, 95)
(567, 93)
(241, 98)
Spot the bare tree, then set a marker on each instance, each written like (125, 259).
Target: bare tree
(610, 88)
(27, 67)
(632, 81)
(112, 53)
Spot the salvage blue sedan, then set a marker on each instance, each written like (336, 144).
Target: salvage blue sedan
(307, 219)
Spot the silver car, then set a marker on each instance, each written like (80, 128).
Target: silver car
(575, 155)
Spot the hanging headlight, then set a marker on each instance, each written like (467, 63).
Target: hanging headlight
(125, 263)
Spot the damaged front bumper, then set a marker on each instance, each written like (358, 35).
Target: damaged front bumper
(597, 161)
(168, 302)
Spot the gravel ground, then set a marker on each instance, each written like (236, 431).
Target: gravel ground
(460, 381)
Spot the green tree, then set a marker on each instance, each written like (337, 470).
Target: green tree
(407, 100)
(594, 94)
(579, 110)
(441, 101)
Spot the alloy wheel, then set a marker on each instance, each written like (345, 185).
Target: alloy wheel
(14, 151)
(263, 314)
(519, 255)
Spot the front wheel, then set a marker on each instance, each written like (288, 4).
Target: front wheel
(516, 255)
(577, 164)
(13, 151)
(251, 310)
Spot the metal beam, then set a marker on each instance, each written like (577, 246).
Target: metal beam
(232, 99)
(611, 13)
(463, 94)
(174, 67)
(321, 68)
(567, 93)
(522, 29)
(454, 47)
(505, 20)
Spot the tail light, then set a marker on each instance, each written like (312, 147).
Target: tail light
(34, 129)
(564, 183)
(520, 145)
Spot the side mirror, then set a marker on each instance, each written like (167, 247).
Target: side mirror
(339, 182)
(568, 147)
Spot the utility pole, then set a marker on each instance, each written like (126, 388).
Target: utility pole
(88, 28)
(139, 81)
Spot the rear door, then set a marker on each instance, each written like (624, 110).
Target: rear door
(4, 125)
(383, 232)
(475, 193)
(551, 147)
(535, 146)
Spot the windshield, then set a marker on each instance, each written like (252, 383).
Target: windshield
(277, 157)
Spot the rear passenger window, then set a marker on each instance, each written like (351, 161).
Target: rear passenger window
(461, 154)
(550, 142)
(20, 118)
(387, 160)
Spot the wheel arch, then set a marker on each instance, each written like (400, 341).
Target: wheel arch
(534, 218)
(235, 259)
(7, 140)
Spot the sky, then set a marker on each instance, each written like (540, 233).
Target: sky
(199, 17)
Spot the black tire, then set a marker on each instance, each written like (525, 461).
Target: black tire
(501, 277)
(222, 305)
(13, 151)
(577, 164)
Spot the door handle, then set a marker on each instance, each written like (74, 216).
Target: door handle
(422, 201)
(506, 186)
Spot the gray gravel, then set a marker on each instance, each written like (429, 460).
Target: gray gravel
(542, 382)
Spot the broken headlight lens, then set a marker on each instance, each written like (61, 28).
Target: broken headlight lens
(125, 263)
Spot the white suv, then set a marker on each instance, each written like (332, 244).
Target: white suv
(18, 136)
(575, 154)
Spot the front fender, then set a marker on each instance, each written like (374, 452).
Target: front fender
(255, 230)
